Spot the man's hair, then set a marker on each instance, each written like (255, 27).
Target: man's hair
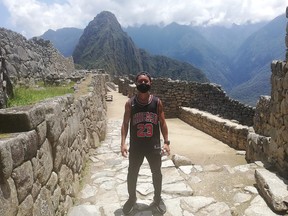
(143, 73)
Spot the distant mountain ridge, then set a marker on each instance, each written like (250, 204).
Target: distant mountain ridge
(105, 45)
(185, 44)
(238, 58)
(65, 39)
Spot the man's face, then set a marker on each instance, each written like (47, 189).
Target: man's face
(143, 79)
(143, 84)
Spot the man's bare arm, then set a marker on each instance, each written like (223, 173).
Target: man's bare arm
(163, 126)
(124, 128)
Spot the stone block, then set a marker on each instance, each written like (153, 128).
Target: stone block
(54, 121)
(179, 160)
(36, 190)
(21, 119)
(17, 150)
(60, 151)
(43, 204)
(43, 163)
(23, 178)
(41, 131)
(273, 188)
(73, 128)
(30, 143)
(8, 201)
(65, 177)
(56, 197)
(52, 182)
(23, 147)
(26, 207)
(6, 161)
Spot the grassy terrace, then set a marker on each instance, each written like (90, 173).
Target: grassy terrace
(27, 96)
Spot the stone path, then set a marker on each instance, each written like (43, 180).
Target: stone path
(187, 190)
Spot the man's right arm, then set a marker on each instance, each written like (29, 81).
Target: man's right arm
(124, 128)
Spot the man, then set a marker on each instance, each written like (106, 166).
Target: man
(144, 112)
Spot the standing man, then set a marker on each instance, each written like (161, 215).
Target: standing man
(144, 112)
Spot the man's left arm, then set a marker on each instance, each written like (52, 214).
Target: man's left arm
(163, 127)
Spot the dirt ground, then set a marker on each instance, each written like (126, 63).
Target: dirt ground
(185, 140)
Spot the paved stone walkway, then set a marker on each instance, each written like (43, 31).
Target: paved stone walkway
(187, 190)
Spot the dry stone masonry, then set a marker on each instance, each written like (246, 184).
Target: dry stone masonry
(31, 59)
(203, 96)
(45, 148)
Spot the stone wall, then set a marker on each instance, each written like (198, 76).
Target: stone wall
(279, 117)
(202, 96)
(229, 132)
(258, 142)
(44, 149)
(34, 59)
(269, 143)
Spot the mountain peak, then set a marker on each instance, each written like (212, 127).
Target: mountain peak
(104, 44)
(105, 19)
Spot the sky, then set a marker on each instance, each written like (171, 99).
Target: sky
(34, 17)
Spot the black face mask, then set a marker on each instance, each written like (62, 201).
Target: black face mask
(143, 88)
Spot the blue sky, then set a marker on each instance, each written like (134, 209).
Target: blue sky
(34, 17)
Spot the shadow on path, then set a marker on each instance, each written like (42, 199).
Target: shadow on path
(140, 209)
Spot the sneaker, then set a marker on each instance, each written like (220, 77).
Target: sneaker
(128, 206)
(160, 206)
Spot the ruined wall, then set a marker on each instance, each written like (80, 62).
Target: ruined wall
(34, 59)
(45, 148)
(279, 117)
(202, 96)
(258, 142)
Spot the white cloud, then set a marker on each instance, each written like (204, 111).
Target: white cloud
(34, 17)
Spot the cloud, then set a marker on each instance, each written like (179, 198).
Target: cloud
(34, 17)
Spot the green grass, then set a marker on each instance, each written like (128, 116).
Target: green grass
(27, 96)
(3, 136)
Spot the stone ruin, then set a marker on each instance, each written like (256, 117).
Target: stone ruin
(25, 62)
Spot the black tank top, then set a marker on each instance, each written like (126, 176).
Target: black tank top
(144, 125)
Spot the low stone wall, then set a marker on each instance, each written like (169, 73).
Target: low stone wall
(45, 148)
(231, 133)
